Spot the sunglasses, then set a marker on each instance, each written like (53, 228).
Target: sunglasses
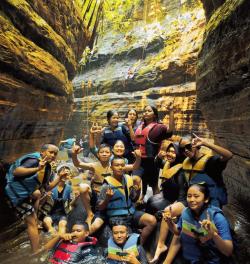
(188, 147)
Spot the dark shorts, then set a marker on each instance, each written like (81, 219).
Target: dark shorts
(24, 209)
(129, 220)
(148, 173)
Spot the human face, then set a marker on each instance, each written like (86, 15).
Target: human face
(120, 234)
(66, 173)
(79, 234)
(171, 155)
(148, 114)
(104, 154)
(189, 150)
(118, 167)
(50, 153)
(195, 199)
(132, 116)
(113, 121)
(119, 149)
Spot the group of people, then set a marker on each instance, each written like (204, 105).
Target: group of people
(130, 156)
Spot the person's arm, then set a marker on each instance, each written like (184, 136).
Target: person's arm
(23, 171)
(61, 175)
(173, 250)
(159, 162)
(221, 235)
(225, 154)
(130, 128)
(168, 217)
(136, 164)
(52, 242)
(80, 164)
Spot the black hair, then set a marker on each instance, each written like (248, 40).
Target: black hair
(46, 146)
(117, 222)
(155, 112)
(132, 109)
(63, 167)
(81, 223)
(117, 158)
(110, 113)
(203, 188)
(104, 146)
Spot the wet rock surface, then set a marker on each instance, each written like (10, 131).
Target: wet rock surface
(151, 63)
(223, 92)
(40, 46)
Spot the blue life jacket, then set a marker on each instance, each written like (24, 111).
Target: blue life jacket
(115, 252)
(119, 205)
(195, 173)
(192, 248)
(20, 188)
(66, 197)
(111, 136)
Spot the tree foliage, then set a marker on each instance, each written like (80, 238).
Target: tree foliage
(118, 14)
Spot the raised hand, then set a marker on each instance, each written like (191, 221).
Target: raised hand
(42, 163)
(197, 141)
(128, 122)
(64, 173)
(208, 226)
(137, 153)
(67, 236)
(109, 193)
(96, 129)
(76, 150)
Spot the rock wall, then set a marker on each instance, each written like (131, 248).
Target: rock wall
(223, 81)
(152, 63)
(40, 44)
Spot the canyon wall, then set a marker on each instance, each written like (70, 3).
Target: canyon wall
(223, 90)
(40, 45)
(153, 62)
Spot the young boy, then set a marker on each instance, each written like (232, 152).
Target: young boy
(25, 178)
(74, 247)
(117, 196)
(62, 198)
(123, 247)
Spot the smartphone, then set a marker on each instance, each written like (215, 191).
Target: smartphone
(122, 254)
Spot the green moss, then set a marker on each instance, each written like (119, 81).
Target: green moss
(221, 14)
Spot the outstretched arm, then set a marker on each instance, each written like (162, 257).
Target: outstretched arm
(224, 153)
(80, 164)
(137, 163)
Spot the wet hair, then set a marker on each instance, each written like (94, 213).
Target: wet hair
(136, 113)
(84, 224)
(104, 146)
(155, 111)
(203, 188)
(110, 113)
(117, 158)
(46, 146)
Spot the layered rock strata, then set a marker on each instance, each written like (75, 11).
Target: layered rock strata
(152, 63)
(40, 44)
(223, 89)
